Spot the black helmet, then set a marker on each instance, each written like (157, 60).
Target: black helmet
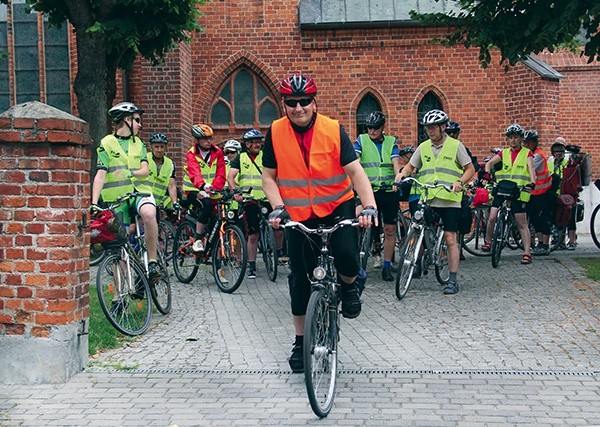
(376, 119)
(514, 129)
(531, 135)
(453, 127)
(122, 110)
(158, 138)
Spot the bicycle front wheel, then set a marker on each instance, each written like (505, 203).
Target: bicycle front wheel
(320, 351)
(185, 261)
(269, 252)
(229, 259)
(442, 272)
(364, 243)
(166, 238)
(97, 254)
(498, 239)
(474, 240)
(126, 303)
(161, 290)
(407, 262)
(595, 226)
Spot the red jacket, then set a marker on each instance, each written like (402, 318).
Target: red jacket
(193, 167)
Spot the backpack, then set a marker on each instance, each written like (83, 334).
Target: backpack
(465, 217)
(564, 209)
(106, 228)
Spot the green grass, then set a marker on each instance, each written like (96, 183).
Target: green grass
(102, 335)
(592, 267)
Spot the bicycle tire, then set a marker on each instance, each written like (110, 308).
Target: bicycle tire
(473, 241)
(498, 239)
(229, 258)
(364, 246)
(126, 306)
(161, 290)
(97, 254)
(402, 227)
(166, 238)
(320, 351)
(595, 226)
(442, 272)
(269, 251)
(406, 264)
(185, 260)
(514, 241)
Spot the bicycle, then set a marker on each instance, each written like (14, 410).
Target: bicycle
(595, 220)
(505, 225)
(225, 248)
(426, 231)
(123, 288)
(322, 325)
(266, 241)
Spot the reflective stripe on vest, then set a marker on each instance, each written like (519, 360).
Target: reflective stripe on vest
(441, 169)
(249, 176)
(378, 167)
(517, 172)
(543, 179)
(322, 186)
(208, 173)
(124, 163)
(159, 181)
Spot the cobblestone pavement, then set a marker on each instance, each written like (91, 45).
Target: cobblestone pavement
(517, 345)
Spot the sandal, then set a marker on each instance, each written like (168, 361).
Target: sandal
(486, 247)
(526, 259)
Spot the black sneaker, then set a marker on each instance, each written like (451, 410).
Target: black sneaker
(451, 288)
(153, 272)
(386, 274)
(252, 274)
(351, 304)
(297, 359)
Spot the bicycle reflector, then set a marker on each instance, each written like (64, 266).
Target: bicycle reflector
(319, 273)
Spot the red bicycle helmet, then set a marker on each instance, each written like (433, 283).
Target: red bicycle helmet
(298, 84)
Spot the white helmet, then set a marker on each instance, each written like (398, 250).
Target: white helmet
(232, 144)
(435, 117)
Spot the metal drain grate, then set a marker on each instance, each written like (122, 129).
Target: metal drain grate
(354, 372)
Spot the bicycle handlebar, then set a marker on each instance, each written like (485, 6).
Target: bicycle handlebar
(420, 184)
(322, 230)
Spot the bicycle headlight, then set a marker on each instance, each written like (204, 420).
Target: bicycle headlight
(264, 210)
(230, 214)
(319, 273)
(418, 215)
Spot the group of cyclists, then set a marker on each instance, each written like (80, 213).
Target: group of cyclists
(309, 171)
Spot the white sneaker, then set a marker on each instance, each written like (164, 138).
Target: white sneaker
(377, 261)
(198, 246)
(222, 277)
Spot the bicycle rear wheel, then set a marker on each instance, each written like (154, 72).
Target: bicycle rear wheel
(407, 262)
(595, 226)
(185, 261)
(320, 351)
(442, 273)
(364, 246)
(125, 303)
(500, 233)
(269, 251)
(474, 240)
(166, 238)
(229, 259)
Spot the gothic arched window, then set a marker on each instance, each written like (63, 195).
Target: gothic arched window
(429, 102)
(367, 105)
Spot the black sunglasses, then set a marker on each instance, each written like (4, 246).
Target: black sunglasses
(138, 119)
(304, 102)
(373, 127)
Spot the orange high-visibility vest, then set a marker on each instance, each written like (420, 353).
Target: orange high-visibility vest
(543, 179)
(322, 186)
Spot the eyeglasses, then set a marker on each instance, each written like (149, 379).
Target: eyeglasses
(304, 102)
(255, 141)
(230, 152)
(373, 127)
(137, 119)
(558, 152)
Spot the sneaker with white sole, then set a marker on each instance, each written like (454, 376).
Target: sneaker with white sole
(252, 274)
(377, 263)
(198, 246)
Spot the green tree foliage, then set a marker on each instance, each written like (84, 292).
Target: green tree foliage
(110, 34)
(519, 27)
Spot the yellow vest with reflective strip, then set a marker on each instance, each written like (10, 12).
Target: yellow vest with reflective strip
(208, 174)
(114, 186)
(249, 176)
(441, 169)
(159, 181)
(378, 167)
(517, 172)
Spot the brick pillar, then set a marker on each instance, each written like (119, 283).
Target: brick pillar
(44, 249)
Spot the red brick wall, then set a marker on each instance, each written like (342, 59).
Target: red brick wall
(398, 65)
(44, 190)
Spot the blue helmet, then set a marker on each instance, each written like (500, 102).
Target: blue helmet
(253, 134)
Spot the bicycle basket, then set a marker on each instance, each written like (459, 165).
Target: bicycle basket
(507, 190)
(107, 228)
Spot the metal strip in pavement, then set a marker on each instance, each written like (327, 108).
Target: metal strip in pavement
(354, 372)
